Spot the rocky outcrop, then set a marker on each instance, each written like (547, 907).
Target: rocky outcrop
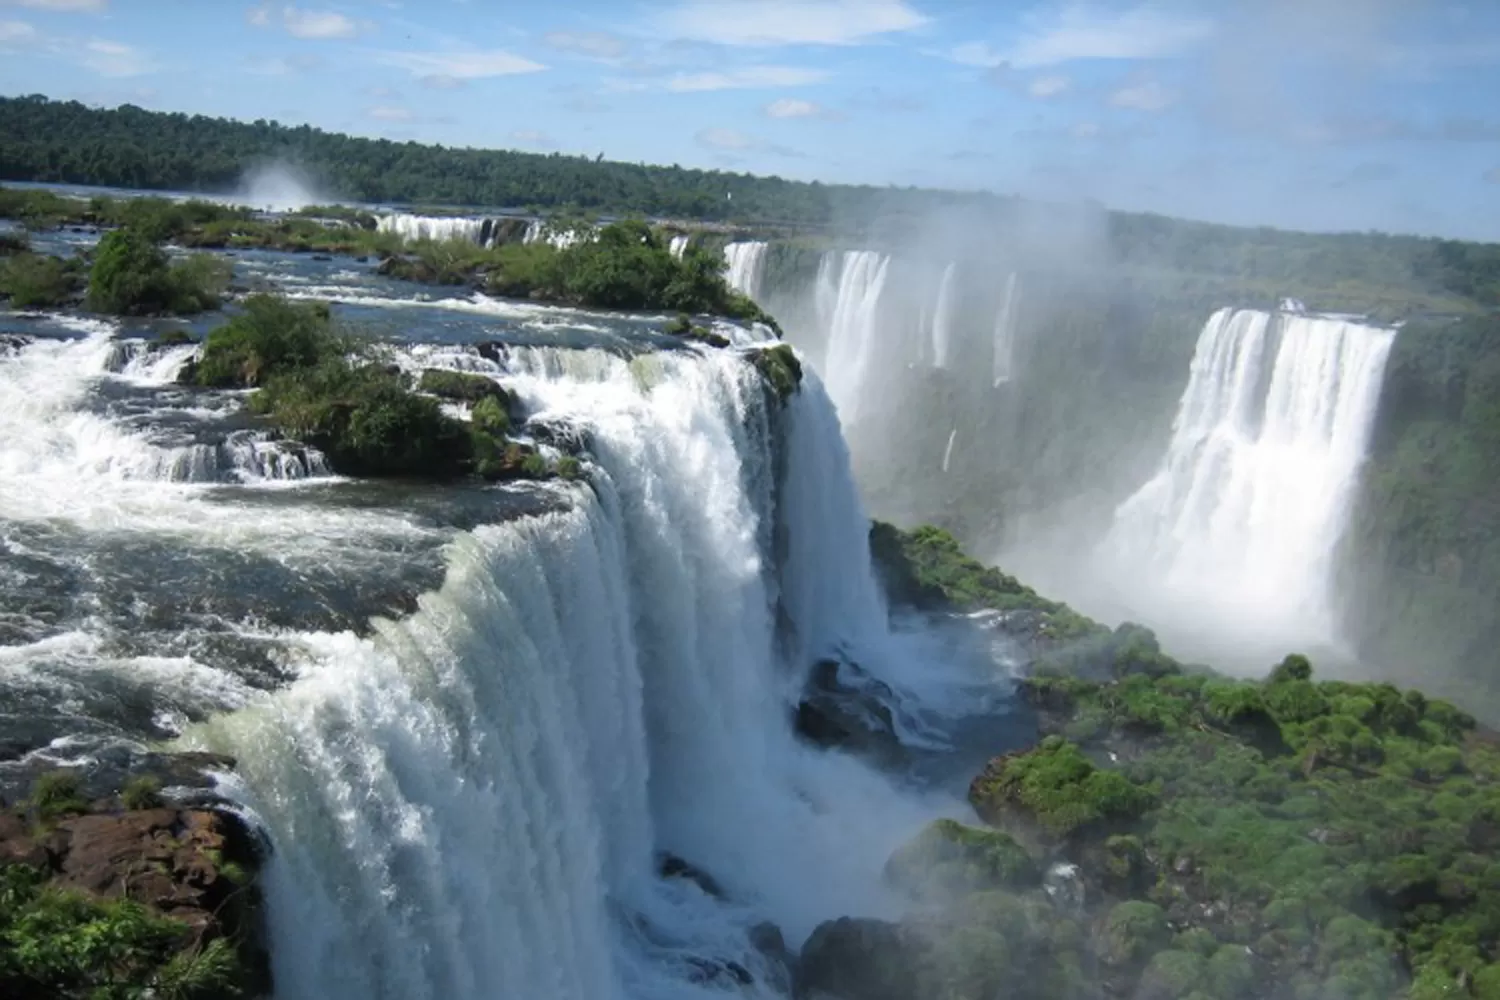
(842, 705)
(190, 873)
(860, 959)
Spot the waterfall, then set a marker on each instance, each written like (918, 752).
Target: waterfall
(1003, 360)
(746, 267)
(466, 803)
(540, 230)
(1254, 492)
(948, 448)
(432, 227)
(942, 321)
(678, 245)
(851, 338)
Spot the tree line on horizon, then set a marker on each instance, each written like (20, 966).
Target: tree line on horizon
(129, 147)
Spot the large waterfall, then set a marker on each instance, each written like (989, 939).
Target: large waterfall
(746, 267)
(467, 803)
(1253, 493)
(433, 227)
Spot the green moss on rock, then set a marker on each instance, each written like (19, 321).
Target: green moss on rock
(1058, 788)
(780, 367)
(461, 387)
(948, 857)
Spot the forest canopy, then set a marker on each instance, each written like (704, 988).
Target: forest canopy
(68, 142)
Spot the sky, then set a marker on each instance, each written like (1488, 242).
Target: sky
(1304, 114)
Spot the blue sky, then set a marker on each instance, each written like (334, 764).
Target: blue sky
(1309, 114)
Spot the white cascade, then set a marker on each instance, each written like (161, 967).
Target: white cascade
(1248, 506)
(542, 231)
(678, 245)
(746, 262)
(431, 227)
(1003, 358)
(466, 804)
(942, 321)
(851, 331)
(948, 448)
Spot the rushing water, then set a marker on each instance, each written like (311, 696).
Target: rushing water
(747, 263)
(1244, 516)
(469, 718)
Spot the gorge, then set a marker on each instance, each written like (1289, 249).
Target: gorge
(669, 729)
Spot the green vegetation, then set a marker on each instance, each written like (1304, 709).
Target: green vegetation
(35, 281)
(13, 243)
(143, 792)
(131, 276)
(55, 794)
(780, 367)
(926, 568)
(1423, 551)
(948, 856)
(130, 147)
(331, 390)
(63, 945)
(1236, 838)
(462, 387)
(624, 265)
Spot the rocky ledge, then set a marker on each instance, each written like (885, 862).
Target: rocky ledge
(122, 892)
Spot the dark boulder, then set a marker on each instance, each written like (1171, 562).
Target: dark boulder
(860, 959)
(671, 866)
(844, 706)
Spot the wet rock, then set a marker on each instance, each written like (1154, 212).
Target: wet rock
(860, 959)
(766, 938)
(720, 972)
(671, 866)
(843, 706)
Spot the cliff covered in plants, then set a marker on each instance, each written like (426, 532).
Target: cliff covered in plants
(1172, 833)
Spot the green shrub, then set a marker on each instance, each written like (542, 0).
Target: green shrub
(131, 276)
(1061, 789)
(489, 415)
(13, 243)
(62, 945)
(949, 857)
(569, 467)
(1133, 932)
(366, 420)
(34, 281)
(143, 792)
(780, 367)
(55, 794)
(460, 387)
(269, 337)
(535, 466)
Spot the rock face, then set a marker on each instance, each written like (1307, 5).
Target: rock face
(196, 867)
(843, 706)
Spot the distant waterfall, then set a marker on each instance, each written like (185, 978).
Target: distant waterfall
(1003, 358)
(942, 321)
(433, 227)
(1257, 483)
(746, 267)
(851, 339)
(678, 245)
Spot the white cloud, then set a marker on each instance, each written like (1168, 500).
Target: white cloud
(16, 31)
(1044, 87)
(114, 58)
(726, 139)
(463, 65)
(391, 113)
(259, 16)
(1147, 96)
(973, 54)
(283, 65)
(747, 78)
(791, 107)
(60, 5)
(317, 24)
(1082, 31)
(789, 22)
(592, 44)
